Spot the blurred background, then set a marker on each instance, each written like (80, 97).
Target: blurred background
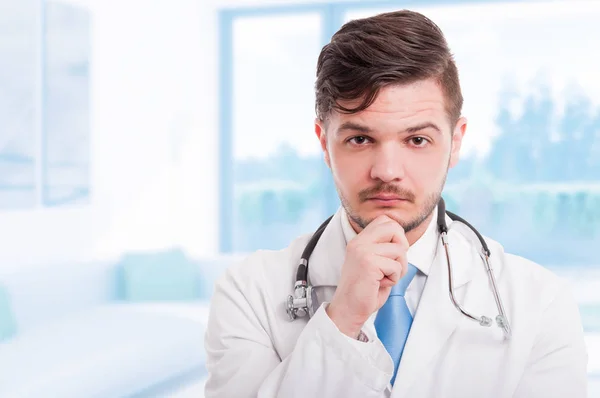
(147, 145)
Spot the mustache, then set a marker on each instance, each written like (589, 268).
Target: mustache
(380, 188)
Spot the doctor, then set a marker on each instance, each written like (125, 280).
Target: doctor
(383, 323)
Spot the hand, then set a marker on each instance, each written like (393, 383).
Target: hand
(375, 261)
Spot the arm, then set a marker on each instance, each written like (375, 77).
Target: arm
(557, 366)
(242, 361)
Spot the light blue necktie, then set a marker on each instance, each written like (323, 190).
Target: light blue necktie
(393, 320)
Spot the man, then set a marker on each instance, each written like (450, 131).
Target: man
(388, 104)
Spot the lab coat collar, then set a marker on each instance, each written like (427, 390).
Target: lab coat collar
(420, 254)
(325, 264)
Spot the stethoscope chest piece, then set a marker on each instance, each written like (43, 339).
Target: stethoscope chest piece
(302, 302)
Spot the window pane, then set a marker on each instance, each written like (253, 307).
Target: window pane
(67, 104)
(279, 174)
(19, 77)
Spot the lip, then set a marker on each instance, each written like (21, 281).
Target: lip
(386, 200)
(391, 198)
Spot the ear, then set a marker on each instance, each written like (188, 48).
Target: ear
(458, 133)
(320, 130)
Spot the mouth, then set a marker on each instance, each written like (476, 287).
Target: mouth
(387, 199)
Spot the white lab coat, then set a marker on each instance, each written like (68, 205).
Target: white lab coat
(254, 350)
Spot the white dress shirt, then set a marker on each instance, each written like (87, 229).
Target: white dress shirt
(420, 254)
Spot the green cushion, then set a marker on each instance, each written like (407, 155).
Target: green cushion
(159, 276)
(8, 325)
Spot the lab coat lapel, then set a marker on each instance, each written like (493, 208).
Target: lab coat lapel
(436, 317)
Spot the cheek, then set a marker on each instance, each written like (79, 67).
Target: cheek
(428, 171)
(349, 171)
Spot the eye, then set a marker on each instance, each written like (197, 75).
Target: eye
(358, 140)
(419, 141)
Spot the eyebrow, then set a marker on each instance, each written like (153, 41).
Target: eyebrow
(423, 126)
(352, 126)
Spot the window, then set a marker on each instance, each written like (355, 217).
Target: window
(44, 104)
(531, 153)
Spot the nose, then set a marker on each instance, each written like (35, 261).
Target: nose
(388, 163)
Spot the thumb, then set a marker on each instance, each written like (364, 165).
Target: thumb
(384, 293)
(386, 283)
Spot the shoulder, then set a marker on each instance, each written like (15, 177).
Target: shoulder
(525, 277)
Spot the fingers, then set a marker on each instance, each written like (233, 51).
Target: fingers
(389, 269)
(384, 246)
(379, 220)
(384, 232)
(393, 251)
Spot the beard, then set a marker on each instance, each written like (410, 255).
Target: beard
(429, 204)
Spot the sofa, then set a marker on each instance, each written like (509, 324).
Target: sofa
(132, 327)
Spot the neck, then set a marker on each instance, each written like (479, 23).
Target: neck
(412, 236)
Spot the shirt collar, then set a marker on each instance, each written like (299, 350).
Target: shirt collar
(420, 253)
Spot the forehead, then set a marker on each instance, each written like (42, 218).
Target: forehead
(400, 105)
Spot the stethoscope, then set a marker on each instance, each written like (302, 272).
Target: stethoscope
(301, 303)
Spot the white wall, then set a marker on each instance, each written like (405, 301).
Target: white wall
(154, 93)
(154, 132)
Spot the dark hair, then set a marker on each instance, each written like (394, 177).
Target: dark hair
(367, 54)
